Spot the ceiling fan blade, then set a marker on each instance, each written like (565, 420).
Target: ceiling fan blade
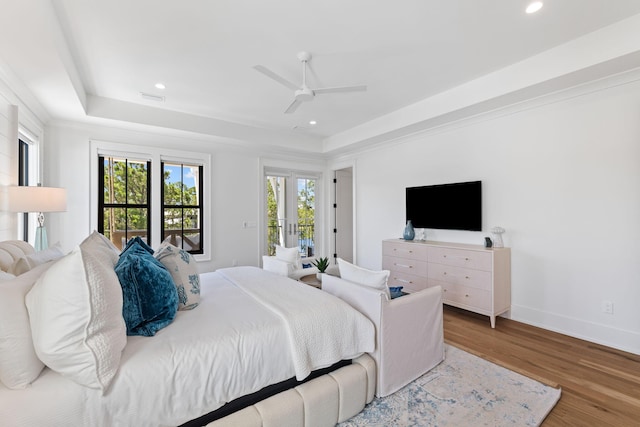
(293, 107)
(360, 88)
(267, 72)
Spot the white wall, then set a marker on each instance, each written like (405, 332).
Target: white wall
(562, 178)
(235, 187)
(8, 171)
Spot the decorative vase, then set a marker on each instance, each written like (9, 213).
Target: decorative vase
(497, 237)
(409, 232)
(319, 276)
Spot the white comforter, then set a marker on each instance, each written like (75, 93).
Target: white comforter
(319, 333)
(242, 337)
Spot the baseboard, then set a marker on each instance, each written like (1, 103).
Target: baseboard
(589, 331)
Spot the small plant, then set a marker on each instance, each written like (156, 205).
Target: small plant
(321, 263)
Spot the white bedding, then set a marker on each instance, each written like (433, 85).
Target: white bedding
(227, 347)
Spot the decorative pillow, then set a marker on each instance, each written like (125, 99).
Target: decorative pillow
(101, 247)
(75, 314)
(140, 243)
(150, 296)
(26, 263)
(184, 272)
(362, 276)
(6, 276)
(290, 255)
(19, 364)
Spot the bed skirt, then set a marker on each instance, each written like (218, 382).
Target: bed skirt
(323, 401)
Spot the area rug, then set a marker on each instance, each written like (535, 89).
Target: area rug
(463, 390)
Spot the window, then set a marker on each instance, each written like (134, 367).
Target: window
(152, 192)
(124, 199)
(23, 179)
(182, 205)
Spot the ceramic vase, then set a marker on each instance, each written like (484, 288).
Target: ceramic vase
(409, 232)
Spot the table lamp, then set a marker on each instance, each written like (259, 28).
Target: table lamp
(36, 199)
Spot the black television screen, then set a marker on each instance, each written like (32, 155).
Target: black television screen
(455, 206)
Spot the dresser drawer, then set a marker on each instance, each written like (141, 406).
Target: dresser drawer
(405, 250)
(478, 279)
(405, 265)
(410, 282)
(478, 260)
(465, 297)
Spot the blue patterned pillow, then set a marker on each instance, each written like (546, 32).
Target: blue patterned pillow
(150, 300)
(184, 271)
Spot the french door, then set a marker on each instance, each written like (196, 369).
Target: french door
(291, 211)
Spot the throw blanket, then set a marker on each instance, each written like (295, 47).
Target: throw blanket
(320, 333)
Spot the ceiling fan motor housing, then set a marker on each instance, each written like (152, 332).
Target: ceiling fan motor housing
(304, 94)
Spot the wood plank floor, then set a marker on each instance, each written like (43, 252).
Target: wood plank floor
(600, 385)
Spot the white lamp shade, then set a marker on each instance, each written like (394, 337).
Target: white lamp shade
(35, 199)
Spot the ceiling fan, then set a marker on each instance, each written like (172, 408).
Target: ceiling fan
(304, 93)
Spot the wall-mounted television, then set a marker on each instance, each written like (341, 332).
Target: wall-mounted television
(456, 206)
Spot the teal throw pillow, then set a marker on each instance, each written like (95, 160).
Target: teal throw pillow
(150, 300)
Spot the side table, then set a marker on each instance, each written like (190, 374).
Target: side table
(311, 280)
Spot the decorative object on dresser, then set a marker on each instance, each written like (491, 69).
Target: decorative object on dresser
(409, 232)
(497, 237)
(472, 277)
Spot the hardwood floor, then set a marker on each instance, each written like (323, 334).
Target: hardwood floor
(600, 385)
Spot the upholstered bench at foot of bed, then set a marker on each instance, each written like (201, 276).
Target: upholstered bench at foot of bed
(324, 401)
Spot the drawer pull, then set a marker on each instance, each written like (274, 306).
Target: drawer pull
(403, 281)
(466, 295)
(402, 265)
(459, 257)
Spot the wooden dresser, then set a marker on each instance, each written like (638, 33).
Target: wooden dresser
(472, 277)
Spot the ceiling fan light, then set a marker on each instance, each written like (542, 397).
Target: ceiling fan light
(534, 7)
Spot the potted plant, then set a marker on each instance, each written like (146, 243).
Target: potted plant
(321, 264)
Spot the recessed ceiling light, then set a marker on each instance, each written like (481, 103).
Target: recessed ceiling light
(534, 7)
(312, 122)
(160, 86)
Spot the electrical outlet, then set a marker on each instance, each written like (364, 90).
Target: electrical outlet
(607, 307)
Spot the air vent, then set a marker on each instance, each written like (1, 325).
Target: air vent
(150, 97)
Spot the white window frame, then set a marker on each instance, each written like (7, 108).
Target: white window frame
(34, 177)
(156, 156)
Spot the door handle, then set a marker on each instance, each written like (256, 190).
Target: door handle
(289, 229)
(295, 228)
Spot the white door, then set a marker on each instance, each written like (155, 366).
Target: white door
(291, 211)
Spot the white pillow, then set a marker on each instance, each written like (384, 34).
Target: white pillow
(184, 272)
(101, 247)
(19, 364)
(75, 310)
(362, 276)
(6, 276)
(290, 255)
(26, 263)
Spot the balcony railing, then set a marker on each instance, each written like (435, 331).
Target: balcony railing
(306, 238)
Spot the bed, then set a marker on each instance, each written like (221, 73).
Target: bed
(251, 330)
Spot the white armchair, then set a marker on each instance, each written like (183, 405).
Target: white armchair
(287, 269)
(409, 334)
